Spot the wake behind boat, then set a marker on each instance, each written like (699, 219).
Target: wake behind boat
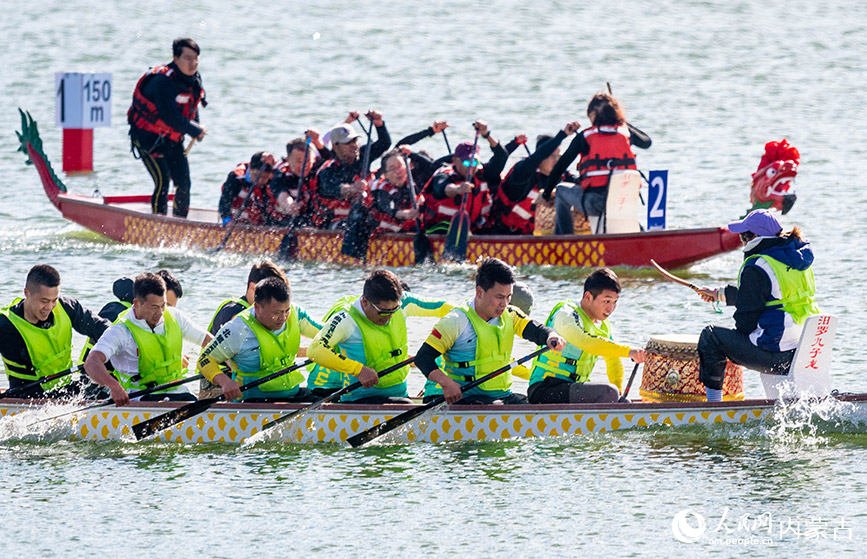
(128, 219)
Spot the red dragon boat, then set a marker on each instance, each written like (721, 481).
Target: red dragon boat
(128, 219)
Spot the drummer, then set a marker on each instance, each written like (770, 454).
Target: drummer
(561, 376)
(774, 296)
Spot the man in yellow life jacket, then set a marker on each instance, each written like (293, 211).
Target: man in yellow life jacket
(775, 294)
(36, 332)
(368, 334)
(476, 339)
(562, 376)
(145, 345)
(260, 341)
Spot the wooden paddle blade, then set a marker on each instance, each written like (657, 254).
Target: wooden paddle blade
(155, 424)
(422, 248)
(455, 248)
(357, 234)
(393, 423)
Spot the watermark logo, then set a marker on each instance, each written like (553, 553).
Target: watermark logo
(686, 530)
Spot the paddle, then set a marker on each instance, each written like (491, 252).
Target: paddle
(455, 248)
(290, 241)
(446, 138)
(136, 394)
(407, 416)
(190, 147)
(357, 233)
(166, 420)
(333, 396)
(25, 388)
(671, 277)
(420, 243)
(623, 397)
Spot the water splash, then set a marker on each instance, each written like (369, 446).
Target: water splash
(803, 419)
(415, 430)
(34, 424)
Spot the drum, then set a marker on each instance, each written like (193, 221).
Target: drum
(543, 222)
(671, 372)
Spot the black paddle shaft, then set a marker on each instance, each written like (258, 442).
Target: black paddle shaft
(166, 420)
(421, 244)
(334, 395)
(26, 388)
(407, 416)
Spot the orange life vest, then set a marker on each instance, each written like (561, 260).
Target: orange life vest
(143, 112)
(517, 216)
(327, 211)
(609, 150)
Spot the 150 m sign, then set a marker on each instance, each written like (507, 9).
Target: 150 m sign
(82, 100)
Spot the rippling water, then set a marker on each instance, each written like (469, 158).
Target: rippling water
(711, 82)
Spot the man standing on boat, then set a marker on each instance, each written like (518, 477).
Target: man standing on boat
(246, 194)
(260, 341)
(448, 185)
(341, 180)
(165, 107)
(774, 296)
(561, 376)
(145, 345)
(477, 338)
(514, 207)
(368, 334)
(604, 147)
(36, 332)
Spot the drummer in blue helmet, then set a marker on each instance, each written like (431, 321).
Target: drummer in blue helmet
(774, 296)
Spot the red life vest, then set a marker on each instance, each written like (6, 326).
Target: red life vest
(387, 223)
(436, 211)
(143, 112)
(328, 211)
(517, 216)
(609, 150)
(260, 204)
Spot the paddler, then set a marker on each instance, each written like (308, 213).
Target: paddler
(393, 206)
(231, 308)
(604, 147)
(476, 339)
(165, 107)
(562, 376)
(145, 345)
(367, 334)
(513, 210)
(36, 332)
(341, 179)
(246, 194)
(448, 185)
(260, 341)
(775, 294)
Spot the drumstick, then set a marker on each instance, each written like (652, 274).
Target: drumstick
(681, 281)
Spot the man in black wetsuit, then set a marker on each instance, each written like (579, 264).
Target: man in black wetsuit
(165, 106)
(36, 332)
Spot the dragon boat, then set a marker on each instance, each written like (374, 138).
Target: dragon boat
(128, 219)
(334, 423)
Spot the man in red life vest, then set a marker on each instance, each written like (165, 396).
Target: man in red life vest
(392, 200)
(446, 188)
(246, 190)
(341, 179)
(165, 106)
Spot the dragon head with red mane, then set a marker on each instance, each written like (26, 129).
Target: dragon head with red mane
(773, 181)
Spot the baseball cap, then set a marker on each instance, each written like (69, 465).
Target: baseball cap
(761, 223)
(464, 150)
(343, 134)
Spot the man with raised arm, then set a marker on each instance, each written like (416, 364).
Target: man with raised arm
(476, 339)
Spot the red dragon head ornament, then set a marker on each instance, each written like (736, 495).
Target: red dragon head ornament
(773, 181)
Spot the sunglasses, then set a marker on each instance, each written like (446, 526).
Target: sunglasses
(472, 163)
(384, 312)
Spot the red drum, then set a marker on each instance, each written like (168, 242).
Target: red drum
(671, 372)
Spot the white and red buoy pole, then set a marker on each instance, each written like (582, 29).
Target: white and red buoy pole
(83, 102)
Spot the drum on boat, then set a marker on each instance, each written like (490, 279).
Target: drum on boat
(671, 372)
